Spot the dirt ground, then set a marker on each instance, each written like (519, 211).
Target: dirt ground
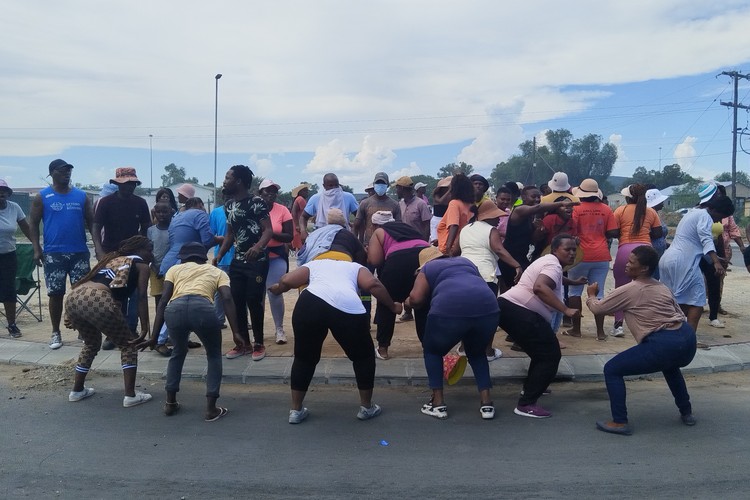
(406, 345)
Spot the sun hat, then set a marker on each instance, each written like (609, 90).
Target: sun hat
(382, 217)
(268, 183)
(127, 174)
(55, 164)
(4, 185)
(559, 182)
(296, 191)
(186, 190)
(654, 197)
(193, 250)
(445, 182)
(626, 191)
(587, 189)
(419, 185)
(427, 254)
(454, 367)
(706, 191)
(404, 181)
(369, 187)
(488, 210)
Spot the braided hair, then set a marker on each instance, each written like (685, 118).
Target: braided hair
(127, 247)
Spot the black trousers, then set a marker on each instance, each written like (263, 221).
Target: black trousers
(535, 336)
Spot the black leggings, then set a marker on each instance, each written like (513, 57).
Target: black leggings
(397, 276)
(311, 320)
(247, 281)
(713, 288)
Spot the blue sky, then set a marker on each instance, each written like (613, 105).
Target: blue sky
(360, 87)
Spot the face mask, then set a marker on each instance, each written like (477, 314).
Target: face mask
(380, 189)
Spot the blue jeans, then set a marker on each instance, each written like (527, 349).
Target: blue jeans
(442, 333)
(663, 350)
(193, 313)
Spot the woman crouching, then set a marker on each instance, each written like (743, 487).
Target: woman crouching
(94, 307)
(666, 342)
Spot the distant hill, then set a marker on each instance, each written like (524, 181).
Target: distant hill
(617, 181)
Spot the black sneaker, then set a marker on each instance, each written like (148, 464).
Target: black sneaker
(14, 331)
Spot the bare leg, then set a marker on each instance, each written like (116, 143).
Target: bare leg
(484, 396)
(437, 397)
(575, 330)
(211, 410)
(128, 375)
(298, 397)
(78, 382)
(55, 311)
(599, 320)
(365, 397)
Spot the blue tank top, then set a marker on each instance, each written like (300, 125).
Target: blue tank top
(64, 221)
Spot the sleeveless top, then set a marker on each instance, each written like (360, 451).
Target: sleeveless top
(475, 246)
(120, 275)
(390, 245)
(518, 239)
(64, 221)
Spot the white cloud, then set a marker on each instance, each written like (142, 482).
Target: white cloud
(351, 168)
(497, 140)
(622, 157)
(263, 167)
(685, 153)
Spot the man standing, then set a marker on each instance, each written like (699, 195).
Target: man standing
(67, 213)
(363, 227)
(121, 216)
(414, 211)
(319, 203)
(249, 229)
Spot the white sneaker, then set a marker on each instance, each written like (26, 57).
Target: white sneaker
(55, 342)
(487, 412)
(497, 354)
(280, 336)
(138, 399)
(716, 323)
(297, 416)
(77, 396)
(618, 332)
(368, 413)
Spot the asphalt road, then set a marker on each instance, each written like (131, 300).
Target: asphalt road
(51, 448)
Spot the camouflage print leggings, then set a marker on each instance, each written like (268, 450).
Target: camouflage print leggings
(93, 311)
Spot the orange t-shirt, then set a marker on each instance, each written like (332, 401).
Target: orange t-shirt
(592, 220)
(457, 213)
(624, 215)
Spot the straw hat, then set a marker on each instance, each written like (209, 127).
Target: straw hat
(488, 210)
(296, 191)
(429, 253)
(587, 189)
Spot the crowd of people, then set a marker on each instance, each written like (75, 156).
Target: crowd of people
(460, 267)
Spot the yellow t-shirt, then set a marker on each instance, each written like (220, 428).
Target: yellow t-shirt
(196, 279)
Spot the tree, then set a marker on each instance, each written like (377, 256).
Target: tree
(452, 168)
(670, 175)
(742, 177)
(587, 157)
(176, 175)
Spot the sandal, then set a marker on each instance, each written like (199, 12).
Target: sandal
(570, 333)
(171, 408)
(222, 412)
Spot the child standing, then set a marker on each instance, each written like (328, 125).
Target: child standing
(159, 236)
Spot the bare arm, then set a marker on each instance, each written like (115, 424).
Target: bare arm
(544, 289)
(375, 253)
(143, 274)
(304, 217)
(230, 311)
(287, 232)
(166, 296)
(420, 292)
(294, 279)
(35, 217)
(225, 245)
(496, 245)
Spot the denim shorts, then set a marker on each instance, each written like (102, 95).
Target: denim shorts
(596, 272)
(58, 266)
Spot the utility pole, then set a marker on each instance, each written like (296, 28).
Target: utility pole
(735, 105)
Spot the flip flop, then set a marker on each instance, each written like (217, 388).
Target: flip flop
(222, 412)
(569, 334)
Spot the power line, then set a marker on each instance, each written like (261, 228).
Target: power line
(735, 105)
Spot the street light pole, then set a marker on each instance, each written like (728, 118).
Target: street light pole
(151, 159)
(216, 130)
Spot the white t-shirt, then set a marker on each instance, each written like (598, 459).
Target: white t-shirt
(523, 293)
(9, 218)
(335, 282)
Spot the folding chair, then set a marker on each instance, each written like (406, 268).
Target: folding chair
(26, 284)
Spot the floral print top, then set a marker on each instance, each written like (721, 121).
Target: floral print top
(245, 217)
